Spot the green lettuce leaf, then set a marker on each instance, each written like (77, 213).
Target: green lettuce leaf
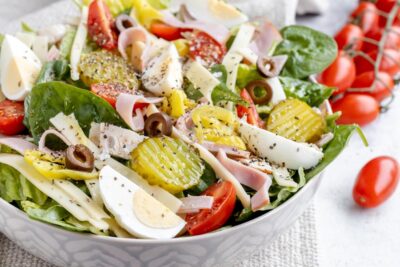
(57, 70)
(247, 74)
(207, 179)
(309, 51)
(46, 100)
(26, 28)
(342, 134)
(67, 42)
(311, 93)
(15, 187)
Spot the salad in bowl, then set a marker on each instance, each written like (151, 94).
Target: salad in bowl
(155, 121)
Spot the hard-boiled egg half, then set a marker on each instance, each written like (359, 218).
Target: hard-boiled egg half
(278, 149)
(135, 210)
(212, 11)
(19, 67)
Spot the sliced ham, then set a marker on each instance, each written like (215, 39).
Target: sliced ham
(217, 31)
(124, 107)
(250, 177)
(192, 204)
(267, 35)
(128, 37)
(18, 144)
(229, 150)
(53, 53)
(42, 141)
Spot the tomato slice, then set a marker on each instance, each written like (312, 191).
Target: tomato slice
(111, 91)
(250, 112)
(11, 117)
(165, 31)
(101, 25)
(208, 220)
(203, 46)
(376, 182)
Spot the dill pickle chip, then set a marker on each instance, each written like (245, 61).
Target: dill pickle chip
(168, 163)
(296, 120)
(105, 67)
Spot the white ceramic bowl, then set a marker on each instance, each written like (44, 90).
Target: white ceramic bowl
(64, 248)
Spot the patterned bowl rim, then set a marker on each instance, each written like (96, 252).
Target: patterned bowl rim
(185, 239)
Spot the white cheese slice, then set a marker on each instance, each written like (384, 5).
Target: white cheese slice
(26, 37)
(201, 78)
(40, 47)
(79, 44)
(278, 94)
(52, 190)
(164, 72)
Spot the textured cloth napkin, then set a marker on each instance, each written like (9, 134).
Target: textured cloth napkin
(296, 247)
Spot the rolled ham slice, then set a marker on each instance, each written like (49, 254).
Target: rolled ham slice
(128, 37)
(266, 36)
(250, 177)
(193, 204)
(217, 31)
(124, 107)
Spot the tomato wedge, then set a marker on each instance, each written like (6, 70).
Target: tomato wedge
(208, 220)
(111, 91)
(165, 31)
(203, 46)
(11, 117)
(376, 182)
(101, 25)
(250, 111)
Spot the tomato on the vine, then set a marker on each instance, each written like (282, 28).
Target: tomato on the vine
(350, 35)
(386, 6)
(207, 220)
(376, 182)
(356, 108)
(382, 85)
(340, 74)
(390, 62)
(392, 39)
(366, 16)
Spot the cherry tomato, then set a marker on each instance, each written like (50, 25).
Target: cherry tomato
(340, 74)
(11, 117)
(356, 108)
(250, 111)
(376, 182)
(383, 85)
(390, 62)
(206, 48)
(207, 220)
(367, 17)
(111, 91)
(101, 25)
(350, 35)
(165, 31)
(386, 6)
(392, 39)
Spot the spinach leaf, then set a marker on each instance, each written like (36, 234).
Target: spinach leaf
(46, 100)
(311, 93)
(207, 179)
(191, 91)
(221, 93)
(219, 71)
(309, 51)
(15, 187)
(56, 70)
(335, 147)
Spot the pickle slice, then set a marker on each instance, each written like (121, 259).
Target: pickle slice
(296, 120)
(168, 163)
(105, 67)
